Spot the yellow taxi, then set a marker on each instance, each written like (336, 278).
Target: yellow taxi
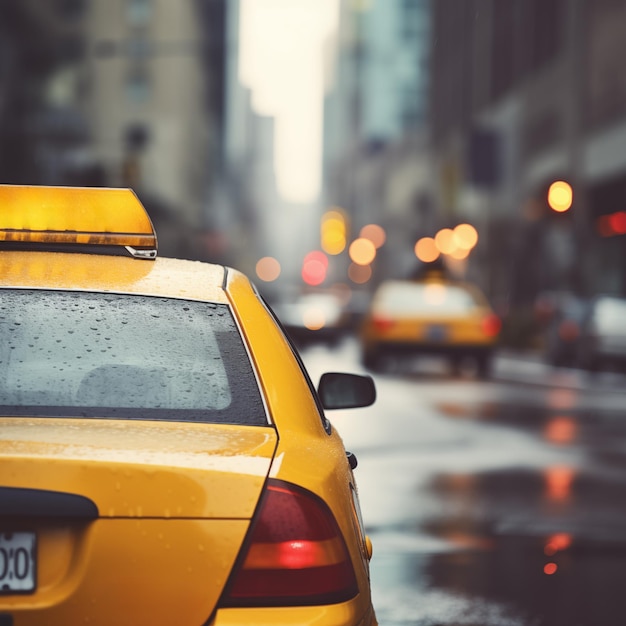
(432, 315)
(164, 457)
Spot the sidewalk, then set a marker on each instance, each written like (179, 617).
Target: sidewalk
(530, 368)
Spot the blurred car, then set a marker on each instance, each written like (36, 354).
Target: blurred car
(602, 343)
(430, 316)
(164, 456)
(563, 330)
(314, 317)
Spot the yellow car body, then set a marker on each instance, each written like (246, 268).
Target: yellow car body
(433, 315)
(131, 516)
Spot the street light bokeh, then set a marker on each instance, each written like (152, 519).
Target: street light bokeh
(444, 240)
(362, 251)
(333, 232)
(560, 196)
(268, 269)
(465, 236)
(426, 250)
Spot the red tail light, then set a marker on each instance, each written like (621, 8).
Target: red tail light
(381, 324)
(491, 325)
(294, 554)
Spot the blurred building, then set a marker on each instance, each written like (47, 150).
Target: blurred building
(376, 115)
(248, 186)
(526, 92)
(153, 99)
(278, 53)
(40, 129)
(119, 93)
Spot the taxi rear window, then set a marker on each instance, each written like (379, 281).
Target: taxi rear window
(428, 298)
(83, 354)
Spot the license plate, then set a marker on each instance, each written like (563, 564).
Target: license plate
(436, 333)
(17, 562)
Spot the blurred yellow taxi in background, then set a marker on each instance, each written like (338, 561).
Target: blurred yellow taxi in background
(164, 457)
(314, 317)
(435, 316)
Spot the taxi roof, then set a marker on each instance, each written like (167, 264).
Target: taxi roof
(175, 278)
(48, 237)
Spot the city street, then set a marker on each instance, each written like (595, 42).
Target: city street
(184, 186)
(491, 503)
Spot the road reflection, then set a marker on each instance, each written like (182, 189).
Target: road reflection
(491, 503)
(549, 545)
(579, 584)
(561, 430)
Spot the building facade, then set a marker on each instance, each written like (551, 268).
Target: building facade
(119, 93)
(41, 129)
(527, 92)
(377, 112)
(149, 99)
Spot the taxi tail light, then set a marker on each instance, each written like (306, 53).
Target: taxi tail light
(294, 554)
(382, 324)
(491, 325)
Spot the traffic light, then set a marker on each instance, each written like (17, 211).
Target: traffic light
(333, 232)
(560, 196)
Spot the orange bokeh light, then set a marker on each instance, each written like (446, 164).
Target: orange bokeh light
(426, 250)
(550, 568)
(560, 196)
(460, 253)
(375, 233)
(465, 236)
(362, 251)
(559, 481)
(561, 430)
(444, 240)
(268, 269)
(557, 542)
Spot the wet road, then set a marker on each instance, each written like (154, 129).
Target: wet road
(491, 503)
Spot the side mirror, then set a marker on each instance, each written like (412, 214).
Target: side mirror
(346, 391)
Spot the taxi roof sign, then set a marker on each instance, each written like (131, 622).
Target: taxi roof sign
(76, 215)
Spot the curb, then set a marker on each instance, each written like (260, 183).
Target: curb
(531, 369)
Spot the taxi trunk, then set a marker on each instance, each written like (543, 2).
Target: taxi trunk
(145, 527)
